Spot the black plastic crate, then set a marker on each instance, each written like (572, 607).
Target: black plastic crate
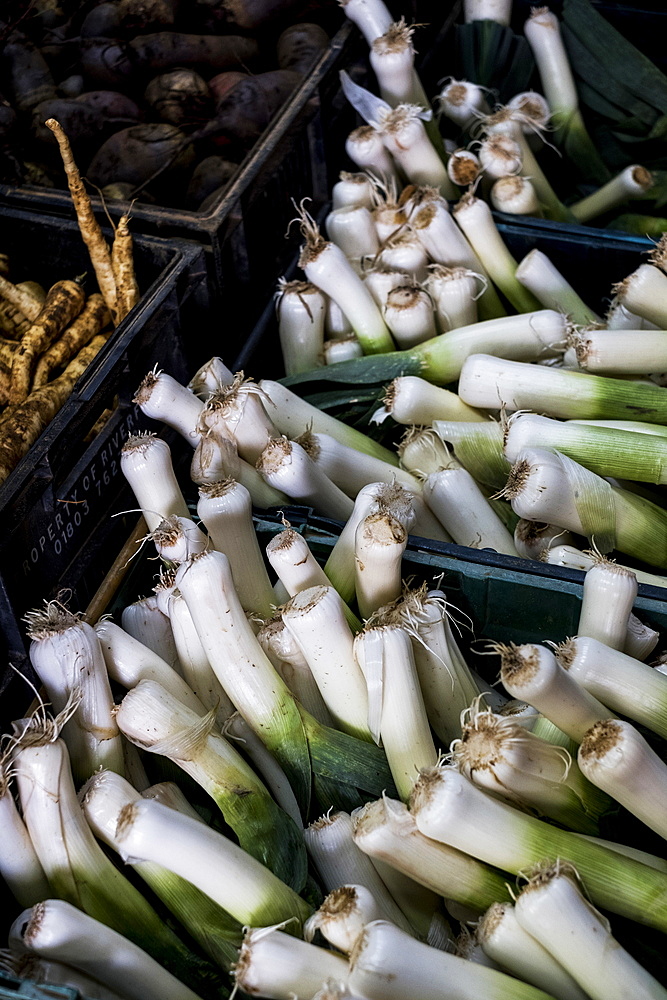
(56, 504)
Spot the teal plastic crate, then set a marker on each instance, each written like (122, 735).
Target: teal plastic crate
(11, 987)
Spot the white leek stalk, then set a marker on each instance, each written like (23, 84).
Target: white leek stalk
(500, 156)
(339, 861)
(421, 451)
(530, 336)
(301, 308)
(316, 620)
(265, 764)
(75, 865)
(474, 217)
(352, 189)
(617, 680)
(534, 539)
(379, 544)
(352, 229)
(516, 196)
(380, 281)
(389, 218)
(276, 965)
(19, 865)
(241, 665)
(327, 267)
(226, 510)
(632, 182)
(67, 657)
(534, 110)
(287, 466)
(294, 563)
(55, 929)
(285, 654)
(149, 625)
(128, 662)
(371, 17)
(454, 291)
(417, 903)
(408, 313)
(237, 412)
(463, 168)
(463, 103)
(335, 990)
(510, 121)
(342, 916)
(392, 57)
(620, 318)
(607, 600)
(154, 720)
(444, 678)
(409, 399)
(468, 947)
(169, 794)
(640, 639)
(348, 468)
(621, 352)
(553, 909)
(533, 674)
(516, 950)
(542, 31)
(334, 351)
(340, 566)
(336, 323)
(450, 809)
(404, 252)
(149, 831)
(548, 486)
(293, 415)
(487, 10)
(603, 448)
(445, 244)
(145, 461)
(366, 149)
(211, 377)
(397, 715)
(539, 275)
(176, 539)
(217, 933)
(407, 140)
(616, 757)
(217, 458)
(161, 397)
(460, 506)
(500, 755)
(196, 669)
(387, 964)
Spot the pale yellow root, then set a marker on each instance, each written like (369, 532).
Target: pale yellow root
(22, 424)
(90, 229)
(24, 301)
(64, 302)
(122, 260)
(93, 318)
(13, 322)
